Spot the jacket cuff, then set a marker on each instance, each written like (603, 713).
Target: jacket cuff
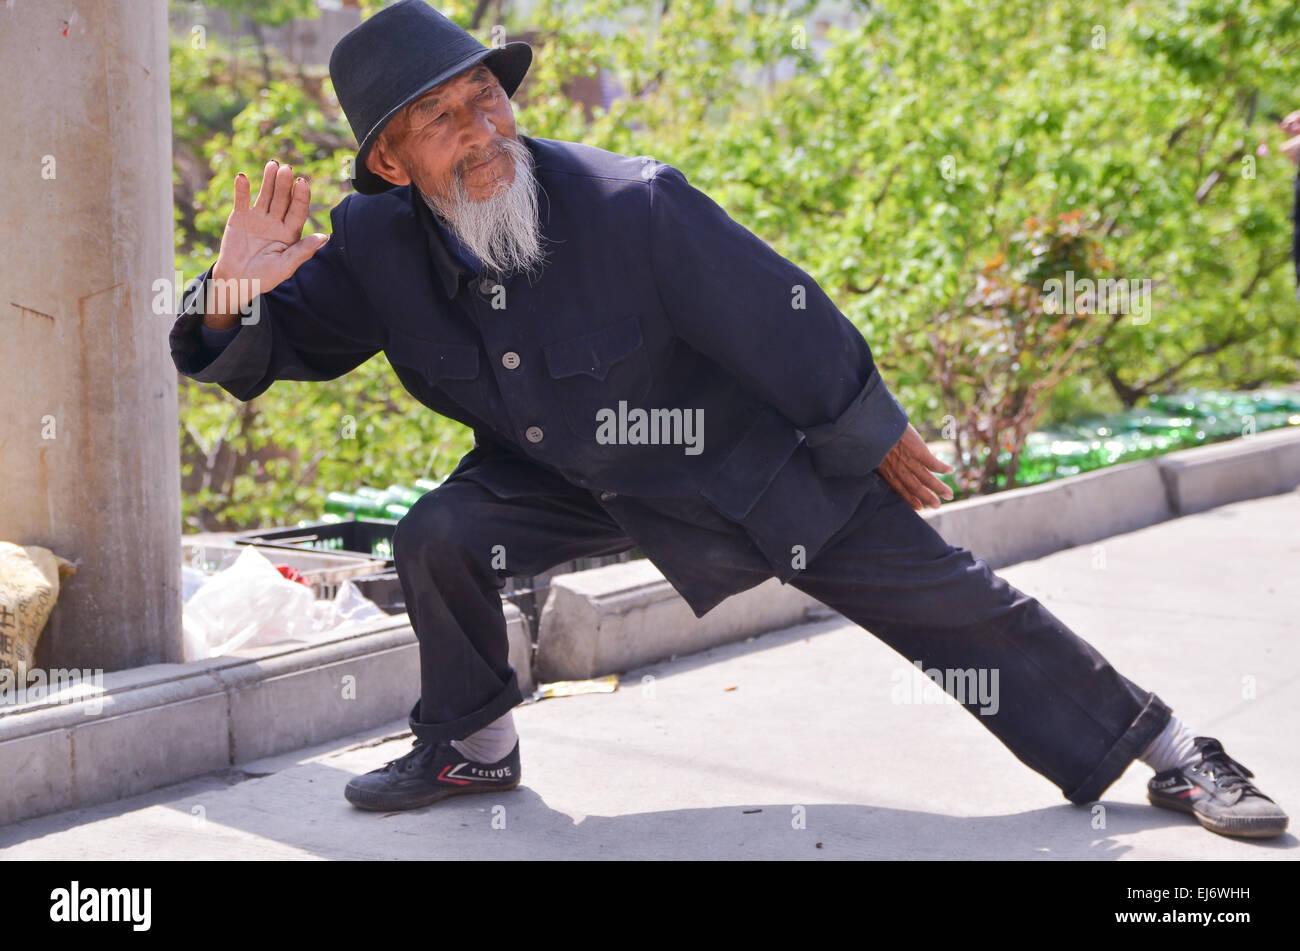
(859, 439)
(247, 351)
(216, 339)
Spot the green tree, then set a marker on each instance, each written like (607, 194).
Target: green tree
(893, 161)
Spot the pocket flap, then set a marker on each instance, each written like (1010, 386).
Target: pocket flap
(736, 486)
(593, 353)
(436, 360)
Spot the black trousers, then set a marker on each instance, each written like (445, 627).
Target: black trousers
(1060, 706)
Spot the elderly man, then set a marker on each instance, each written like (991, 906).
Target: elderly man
(638, 370)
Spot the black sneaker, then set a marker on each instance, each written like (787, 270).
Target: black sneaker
(429, 773)
(1217, 790)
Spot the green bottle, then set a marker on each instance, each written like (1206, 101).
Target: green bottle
(372, 508)
(403, 495)
(343, 504)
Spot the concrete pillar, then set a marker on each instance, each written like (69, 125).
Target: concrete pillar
(89, 457)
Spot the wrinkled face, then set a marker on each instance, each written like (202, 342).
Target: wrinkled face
(454, 130)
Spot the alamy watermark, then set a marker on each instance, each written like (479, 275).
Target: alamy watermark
(78, 903)
(948, 685)
(171, 296)
(654, 427)
(1101, 296)
(58, 684)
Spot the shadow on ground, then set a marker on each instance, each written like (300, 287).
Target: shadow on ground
(301, 813)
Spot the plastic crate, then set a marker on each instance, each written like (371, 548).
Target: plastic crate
(372, 537)
(526, 593)
(323, 571)
(385, 589)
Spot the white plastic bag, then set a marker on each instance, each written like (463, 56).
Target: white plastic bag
(251, 604)
(246, 605)
(191, 580)
(348, 609)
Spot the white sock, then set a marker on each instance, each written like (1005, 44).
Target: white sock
(1173, 747)
(490, 744)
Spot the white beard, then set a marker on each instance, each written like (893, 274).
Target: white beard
(502, 231)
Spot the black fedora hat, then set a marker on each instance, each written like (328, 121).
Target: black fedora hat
(398, 55)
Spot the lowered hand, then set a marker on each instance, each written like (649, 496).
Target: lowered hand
(909, 468)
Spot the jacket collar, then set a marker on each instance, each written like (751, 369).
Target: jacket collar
(451, 272)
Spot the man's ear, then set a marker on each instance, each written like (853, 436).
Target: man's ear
(382, 162)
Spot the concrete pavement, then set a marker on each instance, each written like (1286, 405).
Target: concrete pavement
(790, 745)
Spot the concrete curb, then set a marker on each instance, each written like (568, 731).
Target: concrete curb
(623, 616)
(620, 617)
(1263, 464)
(1028, 523)
(151, 726)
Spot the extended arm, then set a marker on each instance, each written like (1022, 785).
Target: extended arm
(310, 322)
(743, 305)
(740, 303)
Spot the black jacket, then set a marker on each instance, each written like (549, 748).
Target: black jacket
(652, 297)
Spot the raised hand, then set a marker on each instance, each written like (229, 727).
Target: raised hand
(1291, 127)
(263, 243)
(909, 468)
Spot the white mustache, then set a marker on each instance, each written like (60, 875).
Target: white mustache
(470, 165)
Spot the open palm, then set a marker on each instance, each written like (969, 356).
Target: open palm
(263, 243)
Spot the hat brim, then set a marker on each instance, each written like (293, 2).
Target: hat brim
(509, 63)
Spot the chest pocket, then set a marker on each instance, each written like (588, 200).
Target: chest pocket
(434, 360)
(596, 370)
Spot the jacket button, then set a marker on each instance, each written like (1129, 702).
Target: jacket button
(534, 434)
(510, 360)
(606, 496)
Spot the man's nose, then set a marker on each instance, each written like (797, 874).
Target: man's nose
(480, 136)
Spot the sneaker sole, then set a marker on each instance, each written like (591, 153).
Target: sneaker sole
(438, 796)
(1250, 827)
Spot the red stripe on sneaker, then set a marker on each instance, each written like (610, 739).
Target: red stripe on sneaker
(443, 777)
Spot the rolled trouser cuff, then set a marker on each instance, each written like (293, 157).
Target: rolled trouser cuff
(434, 733)
(1148, 724)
